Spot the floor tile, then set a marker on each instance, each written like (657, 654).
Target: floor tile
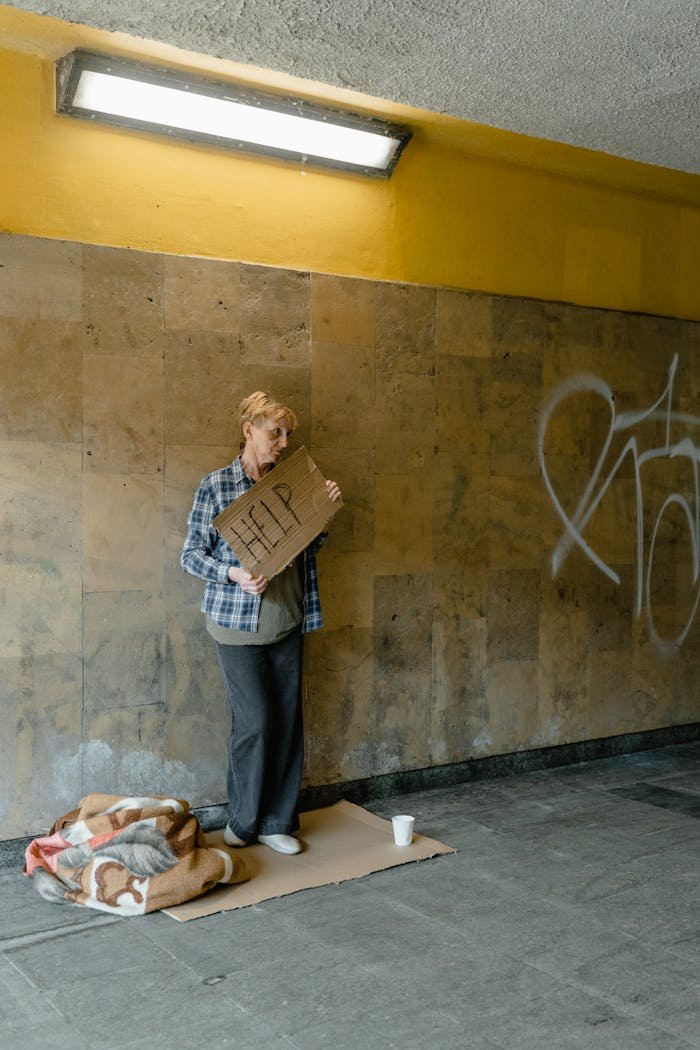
(659, 794)
(568, 919)
(86, 955)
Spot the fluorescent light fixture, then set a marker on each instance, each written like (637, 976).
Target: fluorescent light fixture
(182, 105)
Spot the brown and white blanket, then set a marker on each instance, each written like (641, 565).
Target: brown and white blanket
(128, 856)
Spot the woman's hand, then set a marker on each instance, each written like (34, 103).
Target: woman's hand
(249, 584)
(333, 491)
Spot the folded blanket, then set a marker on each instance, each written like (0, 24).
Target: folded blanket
(128, 856)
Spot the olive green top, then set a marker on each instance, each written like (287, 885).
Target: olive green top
(281, 610)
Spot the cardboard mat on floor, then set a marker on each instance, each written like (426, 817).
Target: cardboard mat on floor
(341, 842)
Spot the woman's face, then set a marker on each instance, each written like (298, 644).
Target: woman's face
(266, 441)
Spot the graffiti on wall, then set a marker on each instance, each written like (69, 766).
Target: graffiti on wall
(626, 428)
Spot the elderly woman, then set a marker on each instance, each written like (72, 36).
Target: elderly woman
(257, 626)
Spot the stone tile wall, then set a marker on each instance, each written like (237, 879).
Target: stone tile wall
(447, 635)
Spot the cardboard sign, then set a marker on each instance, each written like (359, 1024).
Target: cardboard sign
(278, 517)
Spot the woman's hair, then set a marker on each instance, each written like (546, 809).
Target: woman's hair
(259, 406)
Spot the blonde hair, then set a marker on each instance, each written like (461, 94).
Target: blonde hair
(260, 406)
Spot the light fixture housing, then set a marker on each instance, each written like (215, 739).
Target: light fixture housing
(187, 106)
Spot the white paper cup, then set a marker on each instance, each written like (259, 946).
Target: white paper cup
(403, 829)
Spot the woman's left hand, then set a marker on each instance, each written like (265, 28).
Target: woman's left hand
(333, 491)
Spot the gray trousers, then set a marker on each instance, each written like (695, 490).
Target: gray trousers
(266, 742)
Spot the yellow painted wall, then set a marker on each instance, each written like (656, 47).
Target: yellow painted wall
(469, 207)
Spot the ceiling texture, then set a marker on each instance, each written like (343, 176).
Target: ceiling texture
(620, 76)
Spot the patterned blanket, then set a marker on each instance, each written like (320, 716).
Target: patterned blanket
(128, 856)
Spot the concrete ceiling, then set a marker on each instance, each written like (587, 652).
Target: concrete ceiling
(621, 76)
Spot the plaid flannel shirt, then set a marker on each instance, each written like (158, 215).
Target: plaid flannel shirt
(207, 555)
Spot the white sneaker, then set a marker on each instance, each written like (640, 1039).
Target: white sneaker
(232, 840)
(281, 843)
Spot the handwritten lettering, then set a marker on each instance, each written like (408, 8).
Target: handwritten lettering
(267, 523)
(284, 492)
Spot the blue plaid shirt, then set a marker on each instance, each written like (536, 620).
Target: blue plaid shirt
(207, 555)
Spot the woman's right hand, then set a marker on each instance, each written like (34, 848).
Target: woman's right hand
(249, 584)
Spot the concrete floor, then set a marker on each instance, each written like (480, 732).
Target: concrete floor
(568, 919)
